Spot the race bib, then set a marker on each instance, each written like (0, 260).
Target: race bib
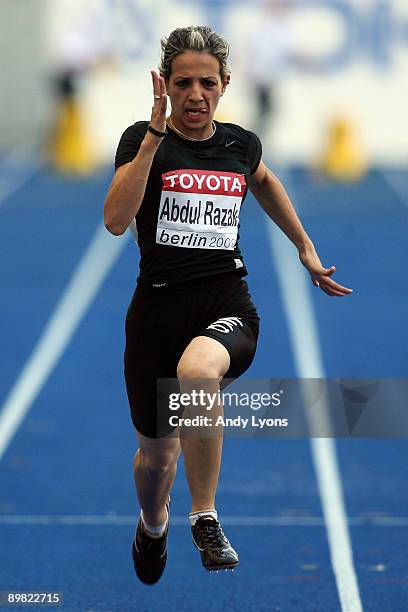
(199, 209)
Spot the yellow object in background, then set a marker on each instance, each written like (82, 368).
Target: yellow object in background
(71, 150)
(343, 159)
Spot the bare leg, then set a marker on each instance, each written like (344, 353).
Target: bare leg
(204, 358)
(155, 466)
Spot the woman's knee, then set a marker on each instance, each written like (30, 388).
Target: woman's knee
(156, 461)
(188, 369)
(204, 358)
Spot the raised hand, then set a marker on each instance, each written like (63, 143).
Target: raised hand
(158, 118)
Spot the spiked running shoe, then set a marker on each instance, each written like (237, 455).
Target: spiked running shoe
(150, 554)
(215, 550)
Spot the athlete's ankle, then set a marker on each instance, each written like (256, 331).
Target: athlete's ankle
(156, 530)
(194, 516)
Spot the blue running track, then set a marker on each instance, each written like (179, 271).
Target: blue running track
(67, 504)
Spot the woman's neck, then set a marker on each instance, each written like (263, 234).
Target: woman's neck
(186, 136)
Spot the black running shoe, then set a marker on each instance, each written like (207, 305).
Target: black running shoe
(150, 554)
(216, 551)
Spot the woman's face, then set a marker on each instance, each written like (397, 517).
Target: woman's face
(195, 87)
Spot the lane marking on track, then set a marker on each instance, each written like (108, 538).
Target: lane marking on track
(303, 333)
(85, 282)
(398, 183)
(179, 520)
(15, 171)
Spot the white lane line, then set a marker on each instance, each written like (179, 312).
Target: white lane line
(231, 521)
(114, 519)
(398, 183)
(76, 299)
(15, 172)
(304, 339)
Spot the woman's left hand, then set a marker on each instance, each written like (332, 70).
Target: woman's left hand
(321, 277)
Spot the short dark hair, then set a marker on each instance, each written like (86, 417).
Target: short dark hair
(194, 38)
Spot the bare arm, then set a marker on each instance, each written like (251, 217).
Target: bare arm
(271, 195)
(128, 186)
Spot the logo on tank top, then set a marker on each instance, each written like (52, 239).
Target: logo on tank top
(226, 324)
(199, 209)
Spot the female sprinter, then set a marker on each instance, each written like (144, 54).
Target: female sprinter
(180, 181)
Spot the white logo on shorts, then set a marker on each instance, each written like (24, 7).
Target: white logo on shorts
(226, 324)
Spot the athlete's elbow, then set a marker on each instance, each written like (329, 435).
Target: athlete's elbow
(114, 226)
(112, 223)
(116, 230)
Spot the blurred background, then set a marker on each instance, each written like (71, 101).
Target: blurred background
(324, 63)
(324, 83)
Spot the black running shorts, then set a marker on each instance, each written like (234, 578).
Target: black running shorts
(161, 322)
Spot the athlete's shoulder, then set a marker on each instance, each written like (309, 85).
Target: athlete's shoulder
(139, 128)
(130, 142)
(233, 130)
(244, 141)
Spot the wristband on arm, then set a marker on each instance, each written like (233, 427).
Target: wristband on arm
(156, 132)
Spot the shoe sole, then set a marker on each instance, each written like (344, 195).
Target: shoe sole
(217, 568)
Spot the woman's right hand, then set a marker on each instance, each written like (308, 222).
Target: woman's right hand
(158, 118)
